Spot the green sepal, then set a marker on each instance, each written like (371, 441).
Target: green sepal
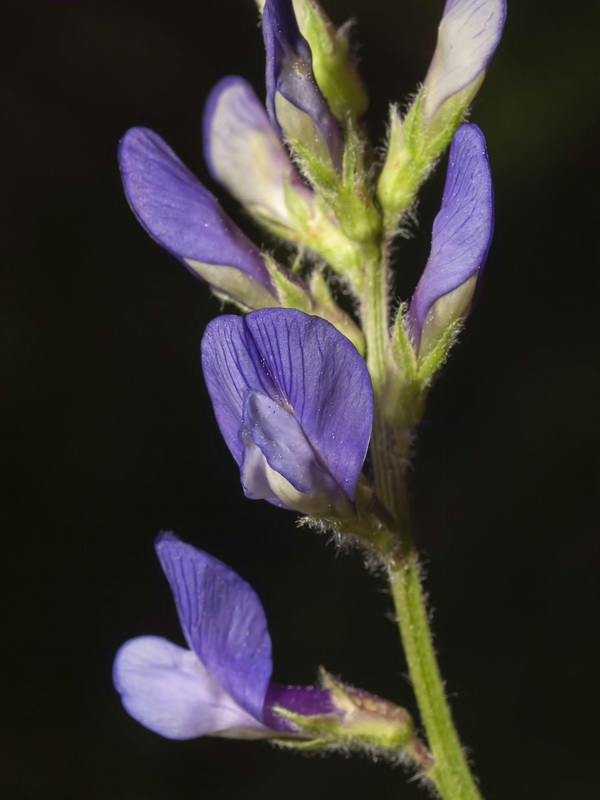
(353, 204)
(317, 229)
(325, 306)
(403, 399)
(406, 165)
(293, 293)
(402, 348)
(290, 292)
(414, 145)
(300, 208)
(442, 126)
(411, 374)
(359, 719)
(233, 285)
(302, 744)
(334, 69)
(433, 360)
(320, 172)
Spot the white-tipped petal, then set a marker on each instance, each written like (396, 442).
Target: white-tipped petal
(468, 35)
(244, 152)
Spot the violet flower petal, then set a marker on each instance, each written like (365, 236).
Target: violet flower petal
(468, 36)
(290, 75)
(222, 619)
(308, 368)
(169, 691)
(462, 230)
(244, 152)
(180, 214)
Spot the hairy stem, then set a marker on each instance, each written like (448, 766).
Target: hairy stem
(449, 771)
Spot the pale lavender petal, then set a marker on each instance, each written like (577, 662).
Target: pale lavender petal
(304, 700)
(468, 36)
(277, 435)
(290, 74)
(178, 212)
(307, 367)
(244, 152)
(462, 230)
(169, 691)
(223, 621)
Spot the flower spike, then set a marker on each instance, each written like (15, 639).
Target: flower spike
(294, 102)
(462, 234)
(468, 36)
(244, 152)
(294, 402)
(187, 220)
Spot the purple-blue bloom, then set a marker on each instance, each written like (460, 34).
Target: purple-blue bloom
(187, 220)
(462, 234)
(221, 685)
(244, 152)
(294, 402)
(468, 36)
(294, 102)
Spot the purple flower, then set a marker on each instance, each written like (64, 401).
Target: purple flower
(221, 685)
(243, 151)
(468, 35)
(182, 216)
(294, 402)
(462, 234)
(294, 102)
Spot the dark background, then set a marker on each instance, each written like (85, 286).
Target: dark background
(110, 438)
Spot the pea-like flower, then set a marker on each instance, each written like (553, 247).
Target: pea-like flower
(462, 234)
(187, 220)
(244, 152)
(295, 103)
(294, 402)
(221, 685)
(468, 36)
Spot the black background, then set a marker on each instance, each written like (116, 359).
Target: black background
(110, 437)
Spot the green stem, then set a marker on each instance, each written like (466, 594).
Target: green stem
(450, 771)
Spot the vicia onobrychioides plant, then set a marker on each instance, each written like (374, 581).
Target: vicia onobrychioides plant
(317, 403)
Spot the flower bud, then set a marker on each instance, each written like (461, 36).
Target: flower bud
(462, 234)
(295, 104)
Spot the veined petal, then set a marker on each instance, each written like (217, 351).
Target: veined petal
(280, 438)
(462, 230)
(244, 152)
(308, 368)
(468, 35)
(294, 102)
(168, 690)
(273, 432)
(181, 215)
(222, 619)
